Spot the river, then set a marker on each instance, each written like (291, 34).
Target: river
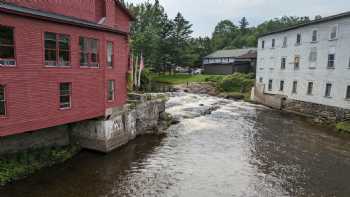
(239, 149)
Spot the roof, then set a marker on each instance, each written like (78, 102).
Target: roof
(59, 18)
(313, 22)
(124, 9)
(234, 53)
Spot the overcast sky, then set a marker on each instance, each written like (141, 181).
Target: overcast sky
(205, 14)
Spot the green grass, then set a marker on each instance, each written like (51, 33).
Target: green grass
(343, 126)
(179, 78)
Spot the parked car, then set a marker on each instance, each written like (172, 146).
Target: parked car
(197, 71)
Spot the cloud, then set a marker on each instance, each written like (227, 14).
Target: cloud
(205, 14)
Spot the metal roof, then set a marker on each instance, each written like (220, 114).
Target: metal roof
(234, 53)
(48, 16)
(313, 22)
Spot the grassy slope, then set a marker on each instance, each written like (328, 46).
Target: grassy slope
(178, 78)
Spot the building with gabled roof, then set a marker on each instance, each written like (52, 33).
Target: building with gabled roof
(225, 62)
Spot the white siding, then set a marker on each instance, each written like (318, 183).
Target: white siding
(269, 63)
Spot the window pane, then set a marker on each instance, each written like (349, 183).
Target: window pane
(93, 45)
(94, 58)
(2, 108)
(50, 40)
(328, 90)
(50, 55)
(348, 92)
(110, 53)
(7, 52)
(64, 58)
(111, 90)
(2, 93)
(6, 36)
(64, 42)
(84, 57)
(83, 43)
(65, 95)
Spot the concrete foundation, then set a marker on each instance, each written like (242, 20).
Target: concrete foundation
(120, 125)
(55, 136)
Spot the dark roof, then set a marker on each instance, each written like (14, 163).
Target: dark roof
(316, 21)
(48, 16)
(234, 53)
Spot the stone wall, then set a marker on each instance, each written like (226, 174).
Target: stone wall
(321, 113)
(55, 136)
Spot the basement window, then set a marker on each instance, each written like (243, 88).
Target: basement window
(89, 48)
(111, 90)
(7, 47)
(328, 90)
(295, 87)
(281, 86)
(347, 92)
(270, 85)
(57, 50)
(310, 87)
(65, 95)
(2, 101)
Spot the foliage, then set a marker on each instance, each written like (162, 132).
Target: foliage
(236, 83)
(19, 165)
(343, 126)
(179, 78)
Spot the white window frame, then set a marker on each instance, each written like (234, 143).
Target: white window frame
(308, 88)
(295, 87)
(285, 42)
(270, 85)
(301, 40)
(111, 90)
(66, 94)
(3, 101)
(312, 36)
(336, 32)
(328, 94)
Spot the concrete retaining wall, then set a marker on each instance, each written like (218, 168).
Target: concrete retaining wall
(55, 136)
(258, 95)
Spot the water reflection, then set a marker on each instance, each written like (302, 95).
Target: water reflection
(239, 149)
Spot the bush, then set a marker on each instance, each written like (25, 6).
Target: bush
(214, 79)
(237, 82)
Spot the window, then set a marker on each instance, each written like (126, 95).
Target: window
(331, 61)
(313, 54)
(57, 49)
(310, 87)
(334, 32)
(347, 92)
(314, 36)
(285, 41)
(260, 79)
(270, 85)
(283, 63)
(295, 87)
(328, 90)
(281, 86)
(110, 54)
(65, 95)
(7, 47)
(273, 43)
(2, 101)
(263, 44)
(111, 88)
(89, 56)
(298, 39)
(296, 62)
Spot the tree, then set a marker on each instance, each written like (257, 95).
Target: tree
(243, 24)
(180, 40)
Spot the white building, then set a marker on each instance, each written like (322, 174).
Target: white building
(309, 62)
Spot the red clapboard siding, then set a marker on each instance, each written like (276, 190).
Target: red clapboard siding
(32, 90)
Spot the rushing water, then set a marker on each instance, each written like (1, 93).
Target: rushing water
(238, 150)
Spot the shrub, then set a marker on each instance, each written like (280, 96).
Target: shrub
(237, 82)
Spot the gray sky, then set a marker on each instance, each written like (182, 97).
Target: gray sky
(205, 14)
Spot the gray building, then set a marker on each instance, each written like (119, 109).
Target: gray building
(225, 62)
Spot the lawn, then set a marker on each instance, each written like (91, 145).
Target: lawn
(178, 78)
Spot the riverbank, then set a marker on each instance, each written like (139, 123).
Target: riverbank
(20, 165)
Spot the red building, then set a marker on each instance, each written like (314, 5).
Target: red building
(61, 61)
